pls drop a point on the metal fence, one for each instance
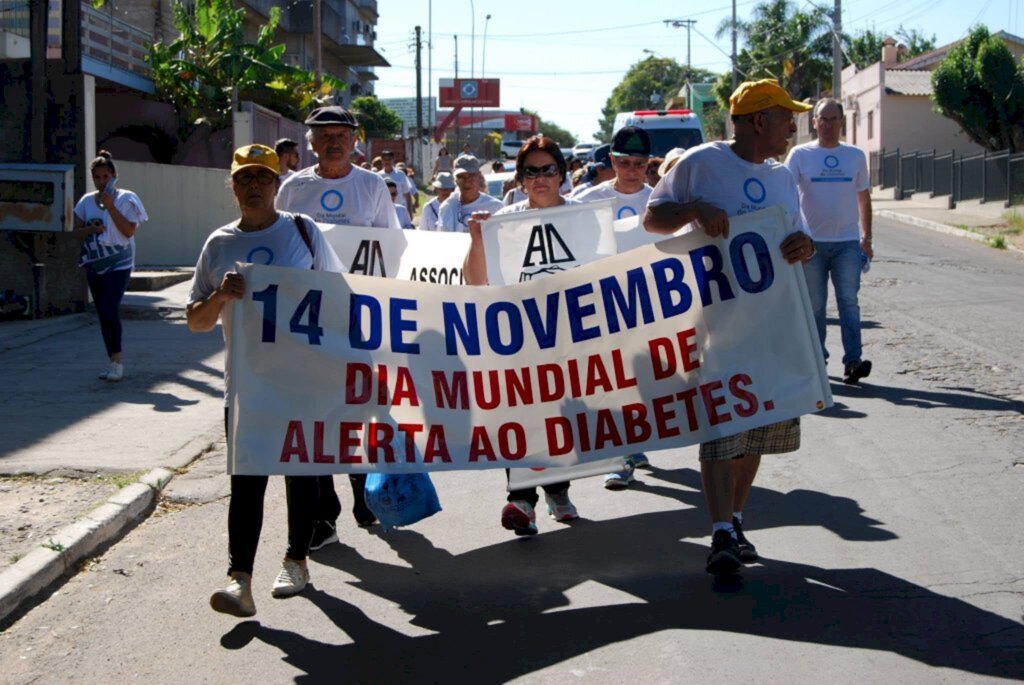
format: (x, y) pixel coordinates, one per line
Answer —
(985, 176)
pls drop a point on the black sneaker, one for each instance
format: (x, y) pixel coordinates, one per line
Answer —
(856, 370)
(724, 559)
(364, 517)
(324, 533)
(748, 553)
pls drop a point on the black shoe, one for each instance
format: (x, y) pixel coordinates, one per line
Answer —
(324, 533)
(724, 559)
(748, 553)
(857, 370)
(363, 516)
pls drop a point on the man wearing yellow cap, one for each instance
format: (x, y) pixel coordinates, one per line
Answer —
(710, 183)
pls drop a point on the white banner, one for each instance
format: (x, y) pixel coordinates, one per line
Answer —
(664, 346)
(428, 256)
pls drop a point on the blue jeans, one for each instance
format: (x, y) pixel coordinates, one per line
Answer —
(842, 259)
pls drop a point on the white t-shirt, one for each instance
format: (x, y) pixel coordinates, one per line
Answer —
(429, 216)
(359, 198)
(514, 195)
(454, 216)
(626, 204)
(583, 187)
(714, 174)
(404, 220)
(524, 206)
(401, 179)
(110, 250)
(829, 179)
(280, 244)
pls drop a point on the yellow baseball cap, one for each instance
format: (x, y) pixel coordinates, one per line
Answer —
(754, 96)
(249, 156)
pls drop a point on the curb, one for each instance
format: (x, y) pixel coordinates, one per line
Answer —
(938, 227)
(38, 569)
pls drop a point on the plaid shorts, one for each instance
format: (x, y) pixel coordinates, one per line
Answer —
(775, 438)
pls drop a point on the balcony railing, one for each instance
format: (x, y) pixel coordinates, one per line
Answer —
(114, 43)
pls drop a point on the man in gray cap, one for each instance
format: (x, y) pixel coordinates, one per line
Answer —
(456, 211)
(444, 185)
(333, 191)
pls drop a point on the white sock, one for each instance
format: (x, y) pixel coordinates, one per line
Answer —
(738, 515)
(722, 525)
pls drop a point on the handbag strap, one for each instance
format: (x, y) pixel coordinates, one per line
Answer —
(301, 225)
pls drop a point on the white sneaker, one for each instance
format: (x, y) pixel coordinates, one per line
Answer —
(560, 507)
(114, 373)
(235, 599)
(291, 580)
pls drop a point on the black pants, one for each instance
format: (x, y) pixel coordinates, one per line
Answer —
(530, 494)
(328, 505)
(107, 292)
(245, 516)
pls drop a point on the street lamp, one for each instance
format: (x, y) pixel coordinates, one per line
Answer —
(483, 62)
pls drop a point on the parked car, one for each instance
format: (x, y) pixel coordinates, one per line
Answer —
(495, 182)
(510, 148)
(584, 151)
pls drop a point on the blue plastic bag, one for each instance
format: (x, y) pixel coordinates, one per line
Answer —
(401, 499)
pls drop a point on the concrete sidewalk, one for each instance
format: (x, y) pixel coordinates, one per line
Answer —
(70, 440)
(971, 219)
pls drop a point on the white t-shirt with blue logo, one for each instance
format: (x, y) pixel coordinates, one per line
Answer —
(829, 179)
(714, 174)
(454, 215)
(110, 250)
(280, 244)
(359, 198)
(626, 204)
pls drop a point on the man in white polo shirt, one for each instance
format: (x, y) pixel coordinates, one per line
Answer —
(398, 175)
(456, 211)
(444, 186)
(710, 183)
(629, 154)
(835, 200)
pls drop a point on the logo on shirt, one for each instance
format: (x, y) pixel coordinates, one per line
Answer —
(831, 161)
(265, 251)
(332, 200)
(625, 211)
(754, 190)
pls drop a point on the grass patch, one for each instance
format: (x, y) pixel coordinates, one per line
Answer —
(15, 558)
(1014, 222)
(54, 545)
(964, 227)
(118, 480)
(998, 242)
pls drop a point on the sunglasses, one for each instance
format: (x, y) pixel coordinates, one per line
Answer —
(264, 178)
(627, 163)
(548, 170)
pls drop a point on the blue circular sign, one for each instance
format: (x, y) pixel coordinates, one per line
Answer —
(754, 190)
(331, 195)
(626, 211)
(468, 90)
(831, 161)
(251, 258)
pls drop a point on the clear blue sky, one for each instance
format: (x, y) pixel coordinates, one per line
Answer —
(563, 58)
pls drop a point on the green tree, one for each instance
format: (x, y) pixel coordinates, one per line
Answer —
(376, 119)
(980, 86)
(210, 67)
(552, 130)
(783, 41)
(865, 48)
(648, 84)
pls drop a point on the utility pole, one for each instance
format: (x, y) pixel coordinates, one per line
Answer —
(688, 23)
(418, 145)
(458, 129)
(318, 65)
(837, 51)
(38, 20)
(430, 63)
(734, 79)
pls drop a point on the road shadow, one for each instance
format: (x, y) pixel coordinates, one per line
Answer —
(47, 387)
(504, 611)
(946, 397)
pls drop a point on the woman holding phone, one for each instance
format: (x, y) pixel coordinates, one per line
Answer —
(108, 218)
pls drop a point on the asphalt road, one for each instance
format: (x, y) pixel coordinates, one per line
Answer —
(892, 543)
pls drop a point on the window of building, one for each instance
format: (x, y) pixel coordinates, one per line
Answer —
(871, 125)
(853, 127)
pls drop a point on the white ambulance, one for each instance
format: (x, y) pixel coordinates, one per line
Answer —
(668, 128)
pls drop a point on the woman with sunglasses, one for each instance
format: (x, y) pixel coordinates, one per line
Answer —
(261, 235)
(540, 172)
